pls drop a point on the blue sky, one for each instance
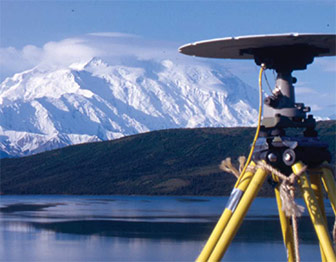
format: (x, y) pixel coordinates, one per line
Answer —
(27, 27)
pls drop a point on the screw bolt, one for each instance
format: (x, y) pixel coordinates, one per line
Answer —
(272, 157)
(287, 157)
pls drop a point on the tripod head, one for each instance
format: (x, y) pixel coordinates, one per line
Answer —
(284, 53)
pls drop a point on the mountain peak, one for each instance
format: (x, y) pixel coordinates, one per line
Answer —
(88, 64)
(94, 101)
(95, 61)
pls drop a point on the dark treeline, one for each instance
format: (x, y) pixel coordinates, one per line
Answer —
(167, 162)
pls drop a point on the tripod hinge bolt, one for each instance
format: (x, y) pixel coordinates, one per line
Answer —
(272, 157)
(299, 106)
(306, 109)
(289, 157)
(271, 101)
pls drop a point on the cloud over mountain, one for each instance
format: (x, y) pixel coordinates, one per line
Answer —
(113, 47)
(81, 92)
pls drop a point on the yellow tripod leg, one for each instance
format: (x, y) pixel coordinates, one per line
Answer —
(236, 194)
(238, 215)
(330, 187)
(315, 213)
(315, 180)
(286, 227)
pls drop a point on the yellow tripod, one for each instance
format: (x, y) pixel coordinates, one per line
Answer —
(250, 182)
(243, 195)
(283, 53)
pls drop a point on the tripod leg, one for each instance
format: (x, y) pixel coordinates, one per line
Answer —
(330, 186)
(286, 227)
(315, 180)
(315, 213)
(236, 194)
(238, 215)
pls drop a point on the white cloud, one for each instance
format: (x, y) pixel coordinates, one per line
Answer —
(68, 51)
(31, 53)
(111, 34)
(13, 60)
(113, 47)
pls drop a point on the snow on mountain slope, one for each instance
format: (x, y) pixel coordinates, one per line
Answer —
(46, 109)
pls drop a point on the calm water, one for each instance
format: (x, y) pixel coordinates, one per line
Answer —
(137, 228)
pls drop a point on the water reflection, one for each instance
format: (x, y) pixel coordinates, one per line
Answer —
(58, 228)
(255, 230)
(17, 207)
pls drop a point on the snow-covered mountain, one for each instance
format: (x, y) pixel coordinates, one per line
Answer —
(47, 109)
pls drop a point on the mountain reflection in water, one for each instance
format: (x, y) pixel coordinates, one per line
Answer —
(266, 229)
(168, 228)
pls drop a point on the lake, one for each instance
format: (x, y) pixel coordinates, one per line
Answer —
(138, 228)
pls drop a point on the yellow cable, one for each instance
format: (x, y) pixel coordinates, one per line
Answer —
(263, 67)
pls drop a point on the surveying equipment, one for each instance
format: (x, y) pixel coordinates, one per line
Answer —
(274, 152)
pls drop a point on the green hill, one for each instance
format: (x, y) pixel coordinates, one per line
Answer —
(167, 162)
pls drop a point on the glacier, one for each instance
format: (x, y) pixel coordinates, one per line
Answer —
(43, 109)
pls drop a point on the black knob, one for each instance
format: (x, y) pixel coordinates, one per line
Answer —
(271, 101)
